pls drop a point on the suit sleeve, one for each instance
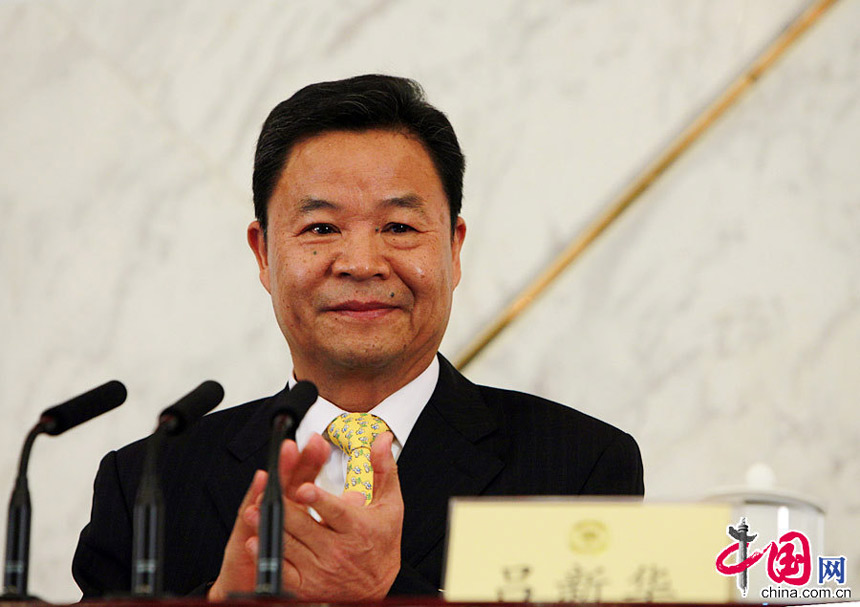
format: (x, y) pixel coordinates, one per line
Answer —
(411, 583)
(102, 561)
(618, 470)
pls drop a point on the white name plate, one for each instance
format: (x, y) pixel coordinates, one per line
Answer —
(583, 550)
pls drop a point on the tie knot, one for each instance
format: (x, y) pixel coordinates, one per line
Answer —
(351, 431)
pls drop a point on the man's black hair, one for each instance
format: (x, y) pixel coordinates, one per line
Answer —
(357, 104)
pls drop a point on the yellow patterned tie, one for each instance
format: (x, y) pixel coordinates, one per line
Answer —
(354, 433)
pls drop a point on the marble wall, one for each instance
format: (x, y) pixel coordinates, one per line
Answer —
(718, 321)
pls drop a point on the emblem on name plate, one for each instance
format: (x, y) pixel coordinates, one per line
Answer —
(589, 536)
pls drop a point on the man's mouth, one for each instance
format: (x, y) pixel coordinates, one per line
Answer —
(362, 309)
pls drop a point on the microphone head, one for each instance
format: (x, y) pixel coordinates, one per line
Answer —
(297, 401)
(80, 409)
(194, 405)
(303, 395)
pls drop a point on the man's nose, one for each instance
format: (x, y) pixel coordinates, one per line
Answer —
(362, 257)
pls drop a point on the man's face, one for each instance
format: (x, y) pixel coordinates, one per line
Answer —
(359, 258)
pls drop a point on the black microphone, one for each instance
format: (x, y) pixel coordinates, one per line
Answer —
(54, 421)
(83, 408)
(147, 566)
(191, 407)
(287, 415)
(292, 409)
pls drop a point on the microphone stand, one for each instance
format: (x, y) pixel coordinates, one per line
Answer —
(147, 565)
(53, 421)
(287, 415)
(148, 524)
(17, 560)
(271, 531)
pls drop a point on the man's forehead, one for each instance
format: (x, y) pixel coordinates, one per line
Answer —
(369, 171)
(349, 144)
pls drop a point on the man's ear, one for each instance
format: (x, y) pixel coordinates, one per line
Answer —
(456, 245)
(257, 242)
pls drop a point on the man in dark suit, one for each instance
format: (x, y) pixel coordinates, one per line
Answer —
(357, 193)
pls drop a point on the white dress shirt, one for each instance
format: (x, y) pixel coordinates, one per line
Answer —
(400, 411)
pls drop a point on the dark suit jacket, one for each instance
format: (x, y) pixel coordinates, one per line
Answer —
(482, 441)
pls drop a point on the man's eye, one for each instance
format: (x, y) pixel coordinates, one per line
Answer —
(321, 229)
(399, 228)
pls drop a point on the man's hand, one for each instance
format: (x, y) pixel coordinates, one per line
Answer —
(239, 567)
(354, 553)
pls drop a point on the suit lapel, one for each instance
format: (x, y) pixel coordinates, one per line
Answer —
(452, 450)
(243, 455)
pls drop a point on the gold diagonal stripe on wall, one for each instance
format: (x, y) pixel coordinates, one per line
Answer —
(666, 158)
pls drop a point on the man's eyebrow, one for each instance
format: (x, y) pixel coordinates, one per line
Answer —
(413, 202)
(309, 205)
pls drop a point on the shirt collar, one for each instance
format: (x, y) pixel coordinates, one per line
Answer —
(399, 411)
